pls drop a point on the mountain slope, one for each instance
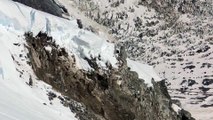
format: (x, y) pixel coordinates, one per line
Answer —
(173, 36)
(79, 64)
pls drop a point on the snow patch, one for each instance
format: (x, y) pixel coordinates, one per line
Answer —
(48, 48)
(176, 108)
(144, 71)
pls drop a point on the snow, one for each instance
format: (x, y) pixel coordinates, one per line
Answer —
(208, 101)
(176, 108)
(198, 112)
(144, 71)
(66, 32)
(18, 100)
(88, 45)
(48, 48)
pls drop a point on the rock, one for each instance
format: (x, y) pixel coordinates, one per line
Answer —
(163, 32)
(206, 106)
(80, 25)
(204, 89)
(207, 81)
(100, 97)
(48, 6)
(30, 81)
(189, 67)
(51, 95)
(191, 82)
(186, 115)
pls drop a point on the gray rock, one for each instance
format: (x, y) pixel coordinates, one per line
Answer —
(102, 98)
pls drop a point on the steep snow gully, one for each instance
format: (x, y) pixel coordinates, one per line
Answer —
(19, 100)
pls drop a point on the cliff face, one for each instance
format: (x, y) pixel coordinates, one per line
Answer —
(48, 6)
(111, 94)
(174, 36)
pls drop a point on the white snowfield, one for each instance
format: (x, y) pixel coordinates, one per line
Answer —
(144, 71)
(18, 101)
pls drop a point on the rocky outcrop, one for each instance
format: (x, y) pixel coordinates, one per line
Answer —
(49, 6)
(112, 94)
(167, 34)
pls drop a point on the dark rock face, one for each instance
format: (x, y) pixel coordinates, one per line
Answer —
(99, 90)
(204, 89)
(189, 82)
(207, 81)
(48, 6)
(80, 25)
(205, 106)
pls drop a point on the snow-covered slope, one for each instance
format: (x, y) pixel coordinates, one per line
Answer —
(19, 100)
(79, 42)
